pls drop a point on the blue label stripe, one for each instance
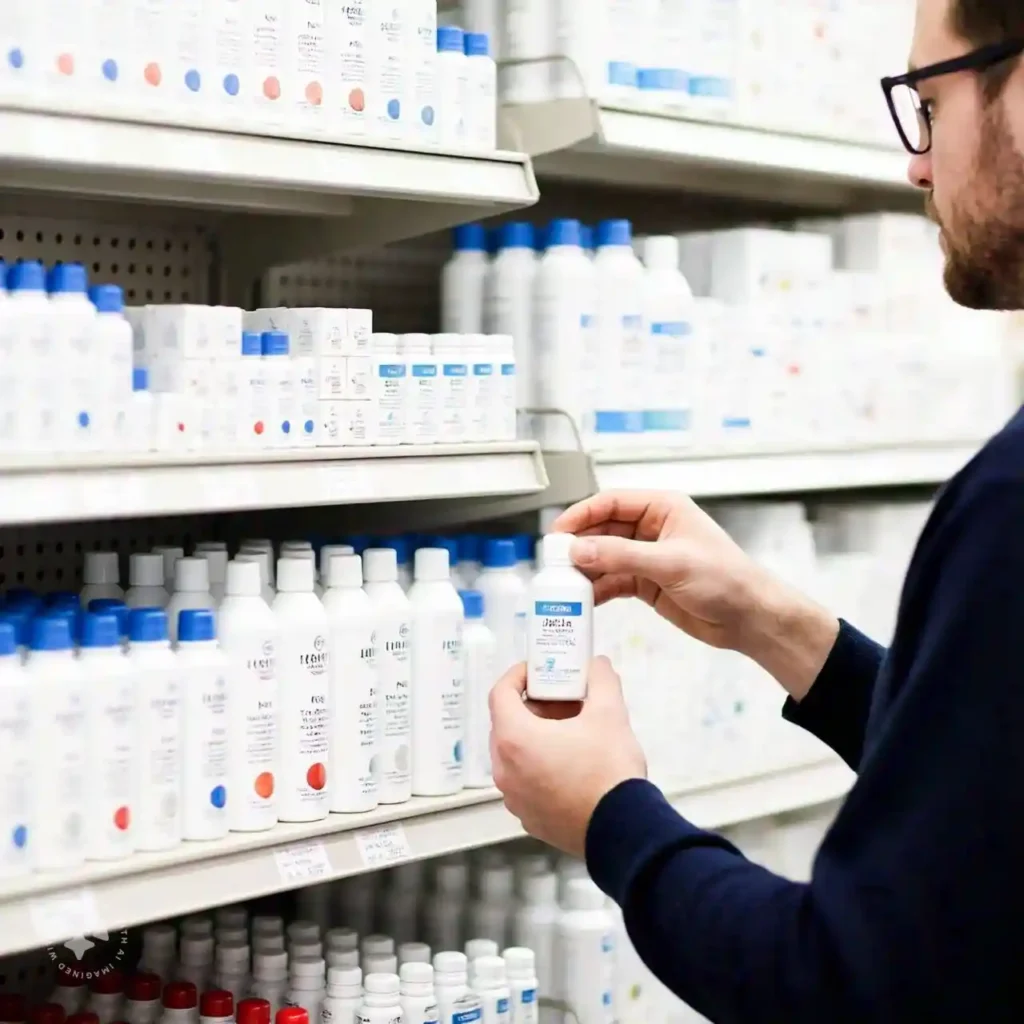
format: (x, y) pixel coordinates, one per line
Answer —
(666, 419)
(455, 369)
(483, 369)
(608, 422)
(391, 370)
(557, 608)
(672, 329)
(424, 370)
(508, 369)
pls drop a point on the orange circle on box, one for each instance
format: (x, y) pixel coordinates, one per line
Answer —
(272, 88)
(122, 819)
(315, 93)
(153, 74)
(66, 64)
(357, 100)
(316, 777)
(264, 785)
(258, 429)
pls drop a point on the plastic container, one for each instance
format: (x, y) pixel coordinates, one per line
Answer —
(455, 1001)
(403, 556)
(479, 650)
(146, 579)
(101, 576)
(265, 561)
(191, 591)
(270, 978)
(463, 280)
(416, 992)
(520, 965)
(491, 913)
(490, 982)
(381, 1003)
(216, 1007)
(535, 927)
(181, 1003)
(505, 599)
(253, 1011)
(390, 375)
(451, 353)
(15, 756)
(170, 555)
(452, 87)
(524, 543)
(71, 322)
(469, 548)
(217, 571)
(586, 944)
(481, 96)
(423, 392)
(344, 995)
(231, 960)
(106, 997)
(509, 301)
(413, 953)
(307, 984)
(142, 999)
(159, 951)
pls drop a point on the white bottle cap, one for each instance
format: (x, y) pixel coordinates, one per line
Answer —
(497, 885)
(661, 252)
(450, 963)
(489, 972)
(100, 568)
(375, 944)
(520, 962)
(417, 972)
(159, 938)
(243, 579)
(381, 984)
(538, 889)
(477, 948)
(329, 551)
(197, 925)
(583, 894)
(294, 576)
(191, 575)
(227, 917)
(267, 924)
(263, 559)
(343, 938)
(257, 544)
(342, 958)
(557, 548)
(380, 963)
(344, 977)
(229, 936)
(268, 942)
(170, 556)
(233, 956)
(212, 545)
(196, 949)
(303, 931)
(306, 949)
(146, 570)
(414, 953)
(307, 967)
(270, 966)
(216, 565)
(380, 565)
(345, 571)
(431, 565)
(296, 545)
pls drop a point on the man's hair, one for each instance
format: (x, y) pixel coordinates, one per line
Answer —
(983, 22)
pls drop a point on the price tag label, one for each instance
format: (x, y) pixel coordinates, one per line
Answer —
(303, 863)
(65, 916)
(385, 845)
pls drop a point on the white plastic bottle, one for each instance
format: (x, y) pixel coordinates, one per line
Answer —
(423, 394)
(450, 351)
(265, 561)
(270, 978)
(216, 570)
(509, 301)
(146, 582)
(585, 954)
(388, 67)
(438, 687)
(111, 335)
(535, 927)
(15, 756)
(249, 638)
(422, 40)
(462, 282)
(479, 650)
(561, 625)
(380, 1000)
(101, 577)
(196, 960)
(390, 375)
(191, 591)
(304, 685)
(206, 721)
(307, 983)
(394, 673)
(159, 748)
(504, 603)
(418, 1002)
(29, 309)
(491, 984)
(71, 319)
(111, 722)
(232, 963)
(525, 556)
(477, 948)
(522, 984)
(59, 755)
(444, 909)
(344, 995)
(142, 998)
(355, 729)
(414, 953)
(456, 1003)
(529, 36)
(170, 556)
(180, 1003)
(481, 104)
(491, 914)
(469, 547)
(452, 87)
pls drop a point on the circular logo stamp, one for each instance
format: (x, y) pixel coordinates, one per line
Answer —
(87, 957)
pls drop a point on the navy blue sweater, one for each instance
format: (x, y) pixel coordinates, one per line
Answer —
(915, 910)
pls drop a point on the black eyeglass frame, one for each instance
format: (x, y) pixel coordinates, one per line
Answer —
(982, 59)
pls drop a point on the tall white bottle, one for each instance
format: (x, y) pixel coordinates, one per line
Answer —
(394, 673)
(535, 927)
(191, 591)
(585, 954)
(508, 301)
(158, 752)
(462, 282)
(479, 651)
(170, 555)
(355, 729)
(205, 712)
(101, 577)
(504, 603)
(15, 756)
(304, 681)
(520, 965)
(146, 582)
(265, 561)
(58, 746)
(438, 685)
(111, 724)
(249, 639)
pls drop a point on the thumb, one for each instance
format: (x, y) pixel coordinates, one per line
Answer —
(604, 687)
(506, 697)
(615, 556)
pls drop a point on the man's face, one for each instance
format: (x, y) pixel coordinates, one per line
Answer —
(975, 171)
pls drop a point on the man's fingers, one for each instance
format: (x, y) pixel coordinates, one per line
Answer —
(506, 697)
(608, 588)
(604, 687)
(609, 507)
(616, 556)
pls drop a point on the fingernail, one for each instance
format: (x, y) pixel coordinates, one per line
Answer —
(584, 551)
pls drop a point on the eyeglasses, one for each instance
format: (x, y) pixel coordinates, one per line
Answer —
(912, 115)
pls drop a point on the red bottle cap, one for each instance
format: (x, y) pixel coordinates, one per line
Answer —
(217, 1003)
(109, 984)
(12, 1008)
(142, 988)
(180, 995)
(253, 1011)
(291, 1015)
(82, 1018)
(47, 1013)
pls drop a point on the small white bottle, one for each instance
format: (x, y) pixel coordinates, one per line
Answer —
(270, 978)
(413, 953)
(216, 570)
(248, 637)
(281, 399)
(422, 38)
(307, 984)
(522, 984)
(462, 282)
(344, 995)
(561, 625)
(146, 582)
(196, 960)
(304, 683)
(191, 591)
(394, 668)
(444, 909)
(381, 963)
(355, 728)
(69, 993)
(423, 392)
(453, 373)
(180, 1003)
(479, 649)
(535, 927)
(216, 1007)
(170, 555)
(106, 997)
(142, 997)
(481, 103)
(111, 722)
(390, 390)
(469, 546)
(502, 425)
(477, 948)
(529, 36)
(585, 954)
(485, 418)
(490, 982)
(265, 561)
(419, 1004)
(438, 687)
(505, 599)
(455, 1002)
(388, 67)
(15, 756)
(452, 86)
(101, 577)
(59, 755)
(381, 1003)
(159, 747)
(376, 945)
(232, 963)
(206, 722)
(491, 914)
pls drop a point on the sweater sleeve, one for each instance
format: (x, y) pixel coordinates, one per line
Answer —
(914, 907)
(836, 709)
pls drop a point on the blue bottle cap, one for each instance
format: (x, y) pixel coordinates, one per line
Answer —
(400, 545)
(563, 232)
(614, 232)
(274, 343)
(27, 276)
(112, 606)
(21, 620)
(107, 298)
(516, 235)
(140, 379)
(469, 545)
(449, 39)
(8, 638)
(525, 545)
(472, 603)
(492, 240)
(586, 237)
(449, 544)
(100, 630)
(51, 633)
(252, 344)
(196, 625)
(499, 554)
(67, 278)
(470, 238)
(147, 625)
(476, 44)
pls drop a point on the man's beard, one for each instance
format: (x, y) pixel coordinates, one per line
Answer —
(985, 245)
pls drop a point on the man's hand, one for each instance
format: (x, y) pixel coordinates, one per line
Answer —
(553, 762)
(662, 548)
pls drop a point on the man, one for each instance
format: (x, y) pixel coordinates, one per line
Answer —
(915, 911)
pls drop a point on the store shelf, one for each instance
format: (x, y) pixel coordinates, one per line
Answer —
(782, 473)
(578, 140)
(98, 487)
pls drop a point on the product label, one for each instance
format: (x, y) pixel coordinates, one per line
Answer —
(467, 1010)
(424, 370)
(508, 369)
(58, 763)
(455, 369)
(254, 738)
(438, 702)
(559, 644)
(303, 863)
(159, 808)
(503, 1010)
(390, 394)
(112, 732)
(381, 846)
(394, 682)
(356, 718)
(15, 773)
(305, 720)
(524, 1007)
(392, 371)
(370, 1017)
